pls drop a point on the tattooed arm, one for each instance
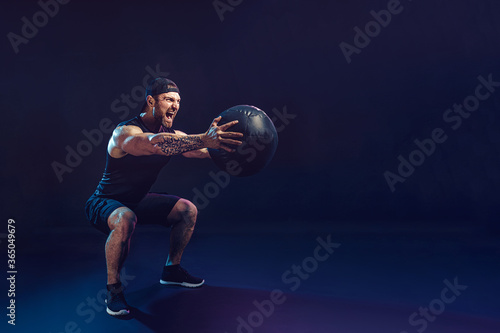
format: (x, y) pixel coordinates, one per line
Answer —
(193, 145)
(174, 144)
(197, 153)
(131, 140)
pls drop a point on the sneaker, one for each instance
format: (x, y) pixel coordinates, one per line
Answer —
(116, 303)
(176, 275)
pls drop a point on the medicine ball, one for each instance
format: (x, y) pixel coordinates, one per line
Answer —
(260, 141)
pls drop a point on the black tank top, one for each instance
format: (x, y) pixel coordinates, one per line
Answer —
(129, 178)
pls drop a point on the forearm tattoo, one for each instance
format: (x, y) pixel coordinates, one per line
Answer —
(177, 145)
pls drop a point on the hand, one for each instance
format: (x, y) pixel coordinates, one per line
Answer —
(217, 137)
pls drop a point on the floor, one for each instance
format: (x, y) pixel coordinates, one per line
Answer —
(348, 281)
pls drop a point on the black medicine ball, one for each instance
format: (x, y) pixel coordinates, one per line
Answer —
(260, 141)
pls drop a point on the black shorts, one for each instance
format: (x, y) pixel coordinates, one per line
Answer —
(153, 209)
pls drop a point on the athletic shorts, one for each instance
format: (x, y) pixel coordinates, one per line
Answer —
(153, 209)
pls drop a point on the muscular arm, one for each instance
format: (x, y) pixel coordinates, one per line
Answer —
(198, 153)
(173, 144)
(131, 140)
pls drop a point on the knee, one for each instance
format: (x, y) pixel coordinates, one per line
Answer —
(187, 210)
(123, 222)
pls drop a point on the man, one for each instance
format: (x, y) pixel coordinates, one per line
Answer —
(138, 149)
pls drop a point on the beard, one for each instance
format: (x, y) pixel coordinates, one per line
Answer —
(166, 119)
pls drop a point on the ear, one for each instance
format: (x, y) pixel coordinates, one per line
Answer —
(151, 101)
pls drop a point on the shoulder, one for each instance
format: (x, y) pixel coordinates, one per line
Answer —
(126, 130)
(131, 126)
(179, 132)
(120, 135)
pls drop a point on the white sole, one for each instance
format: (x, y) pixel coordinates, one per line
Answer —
(119, 313)
(183, 284)
(123, 312)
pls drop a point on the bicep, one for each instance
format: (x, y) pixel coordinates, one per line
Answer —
(131, 140)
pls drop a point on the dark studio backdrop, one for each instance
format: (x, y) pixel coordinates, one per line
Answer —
(343, 125)
(354, 109)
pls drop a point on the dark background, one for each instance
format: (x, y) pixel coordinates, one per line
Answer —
(352, 120)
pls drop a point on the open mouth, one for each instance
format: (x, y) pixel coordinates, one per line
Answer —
(170, 115)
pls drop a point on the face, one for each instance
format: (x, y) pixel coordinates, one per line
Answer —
(166, 106)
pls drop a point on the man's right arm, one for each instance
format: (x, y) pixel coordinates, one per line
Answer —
(131, 140)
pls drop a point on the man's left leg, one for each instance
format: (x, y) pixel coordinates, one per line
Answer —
(179, 214)
(182, 218)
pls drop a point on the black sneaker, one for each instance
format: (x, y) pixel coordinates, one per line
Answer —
(176, 275)
(116, 303)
